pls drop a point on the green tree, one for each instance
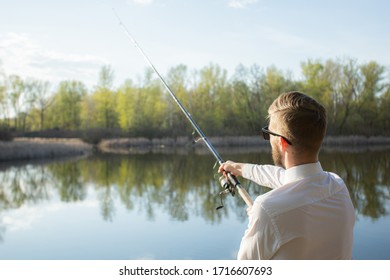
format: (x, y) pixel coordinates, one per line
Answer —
(346, 94)
(248, 99)
(368, 99)
(150, 107)
(356, 97)
(88, 112)
(176, 123)
(208, 103)
(320, 82)
(65, 112)
(3, 98)
(384, 110)
(126, 108)
(274, 83)
(104, 98)
(16, 89)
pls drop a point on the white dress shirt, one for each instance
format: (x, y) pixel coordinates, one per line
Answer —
(308, 215)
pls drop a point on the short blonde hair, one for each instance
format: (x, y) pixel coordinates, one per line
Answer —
(301, 119)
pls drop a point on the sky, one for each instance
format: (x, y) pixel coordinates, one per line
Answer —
(57, 40)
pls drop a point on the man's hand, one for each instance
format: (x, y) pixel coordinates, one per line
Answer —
(234, 168)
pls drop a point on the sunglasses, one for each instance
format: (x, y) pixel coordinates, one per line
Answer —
(267, 133)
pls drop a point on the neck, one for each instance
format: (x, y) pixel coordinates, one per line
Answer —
(291, 161)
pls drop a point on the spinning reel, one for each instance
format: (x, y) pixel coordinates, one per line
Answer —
(227, 187)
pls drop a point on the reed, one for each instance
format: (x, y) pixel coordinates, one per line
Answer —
(132, 144)
(143, 145)
(39, 148)
(356, 140)
(49, 148)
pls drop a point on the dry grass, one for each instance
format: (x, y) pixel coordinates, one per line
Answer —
(142, 145)
(141, 142)
(43, 148)
(225, 141)
(39, 148)
(136, 145)
(356, 140)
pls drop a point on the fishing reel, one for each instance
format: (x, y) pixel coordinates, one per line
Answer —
(227, 187)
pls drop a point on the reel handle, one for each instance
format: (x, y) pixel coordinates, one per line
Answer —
(230, 183)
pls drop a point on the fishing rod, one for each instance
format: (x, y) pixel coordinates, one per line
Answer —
(229, 183)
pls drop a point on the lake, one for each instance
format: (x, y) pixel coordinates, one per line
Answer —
(162, 205)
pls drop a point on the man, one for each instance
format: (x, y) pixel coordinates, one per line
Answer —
(309, 213)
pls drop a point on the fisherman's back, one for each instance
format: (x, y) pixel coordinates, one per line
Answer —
(308, 218)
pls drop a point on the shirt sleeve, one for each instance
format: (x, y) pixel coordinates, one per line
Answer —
(260, 240)
(265, 175)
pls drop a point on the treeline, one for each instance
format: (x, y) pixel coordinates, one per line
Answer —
(356, 96)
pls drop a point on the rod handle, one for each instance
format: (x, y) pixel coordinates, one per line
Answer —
(245, 196)
(241, 191)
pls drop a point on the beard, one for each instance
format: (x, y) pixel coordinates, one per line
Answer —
(277, 157)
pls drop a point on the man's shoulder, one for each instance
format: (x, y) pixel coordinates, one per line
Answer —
(300, 193)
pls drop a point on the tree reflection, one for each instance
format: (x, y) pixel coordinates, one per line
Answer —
(68, 181)
(181, 185)
(365, 175)
(20, 186)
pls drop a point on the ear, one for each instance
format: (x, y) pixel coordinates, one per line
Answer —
(283, 143)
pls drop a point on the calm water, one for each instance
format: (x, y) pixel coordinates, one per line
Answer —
(161, 206)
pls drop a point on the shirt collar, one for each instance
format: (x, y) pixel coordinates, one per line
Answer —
(301, 171)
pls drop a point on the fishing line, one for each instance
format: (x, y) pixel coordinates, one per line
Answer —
(230, 183)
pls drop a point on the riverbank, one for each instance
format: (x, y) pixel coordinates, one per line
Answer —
(133, 144)
(40, 148)
(50, 148)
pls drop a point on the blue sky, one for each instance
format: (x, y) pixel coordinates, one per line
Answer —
(58, 40)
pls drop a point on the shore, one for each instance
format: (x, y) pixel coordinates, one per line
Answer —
(42, 148)
(232, 142)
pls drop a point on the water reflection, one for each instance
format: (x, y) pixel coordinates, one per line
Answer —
(366, 175)
(180, 185)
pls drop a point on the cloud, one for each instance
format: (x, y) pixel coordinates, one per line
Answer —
(239, 4)
(22, 220)
(141, 2)
(23, 56)
(27, 216)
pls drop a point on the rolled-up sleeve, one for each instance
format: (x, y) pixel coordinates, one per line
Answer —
(265, 175)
